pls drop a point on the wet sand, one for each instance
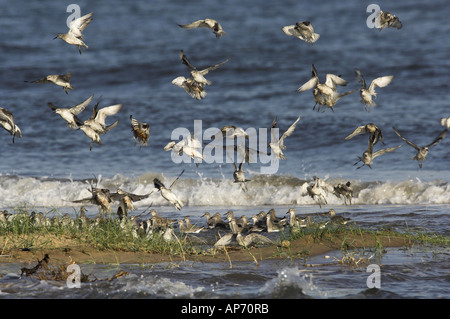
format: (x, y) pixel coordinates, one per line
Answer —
(67, 250)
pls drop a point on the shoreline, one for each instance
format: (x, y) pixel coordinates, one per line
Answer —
(63, 252)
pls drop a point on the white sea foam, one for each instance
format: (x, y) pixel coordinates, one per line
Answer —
(223, 192)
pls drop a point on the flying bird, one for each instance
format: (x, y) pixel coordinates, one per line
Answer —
(369, 155)
(92, 134)
(167, 193)
(445, 121)
(199, 75)
(232, 131)
(99, 196)
(344, 190)
(366, 93)
(97, 120)
(239, 175)
(388, 20)
(70, 114)
(194, 89)
(316, 190)
(141, 131)
(325, 94)
(7, 122)
(206, 23)
(302, 30)
(422, 151)
(189, 145)
(277, 145)
(74, 35)
(370, 128)
(62, 80)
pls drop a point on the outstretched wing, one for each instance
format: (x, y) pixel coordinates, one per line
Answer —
(357, 131)
(407, 142)
(186, 61)
(107, 111)
(439, 138)
(77, 109)
(360, 78)
(381, 82)
(195, 24)
(78, 25)
(205, 71)
(289, 30)
(333, 80)
(384, 151)
(308, 85)
(66, 77)
(289, 131)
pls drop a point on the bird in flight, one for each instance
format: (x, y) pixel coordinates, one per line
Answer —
(62, 80)
(325, 94)
(206, 23)
(366, 93)
(74, 35)
(422, 151)
(302, 30)
(7, 122)
(277, 145)
(70, 114)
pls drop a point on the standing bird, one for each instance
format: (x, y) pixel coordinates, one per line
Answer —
(277, 145)
(225, 240)
(337, 219)
(62, 80)
(367, 93)
(70, 114)
(302, 30)
(206, 23)
(7, 122)
(422, 151)
(214, 220)
(325, 94)
(370, 128)
(252, 239)
(74, 36)
(167, 193)
(296, 221)
(141, 131)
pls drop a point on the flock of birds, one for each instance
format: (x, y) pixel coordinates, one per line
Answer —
(218, 232)
(325, 95)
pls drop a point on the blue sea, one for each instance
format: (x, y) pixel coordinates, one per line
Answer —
(132, 58)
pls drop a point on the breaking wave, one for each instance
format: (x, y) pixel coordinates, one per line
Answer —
(262, 190)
